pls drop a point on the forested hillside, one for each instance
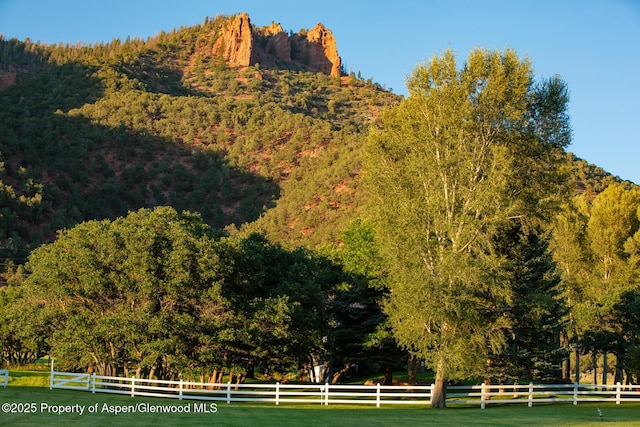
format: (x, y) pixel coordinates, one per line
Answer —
(92, 132)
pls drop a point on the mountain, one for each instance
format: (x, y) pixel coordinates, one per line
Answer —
(238, 123)
(253, 128)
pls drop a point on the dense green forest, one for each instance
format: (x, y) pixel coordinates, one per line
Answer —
(267, 164)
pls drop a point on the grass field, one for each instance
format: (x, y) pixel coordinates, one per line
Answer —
(20, 398)
(28, 390)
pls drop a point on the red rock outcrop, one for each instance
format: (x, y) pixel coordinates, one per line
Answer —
(240, 44)
(278, 43)
(322, 50)
(235, 44)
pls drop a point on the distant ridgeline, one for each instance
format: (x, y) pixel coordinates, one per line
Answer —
(236, 41)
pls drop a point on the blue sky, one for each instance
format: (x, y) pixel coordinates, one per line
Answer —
(593, 44)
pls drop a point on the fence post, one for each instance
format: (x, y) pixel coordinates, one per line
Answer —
(575, 393)
(133, 386)
(326, 396)
(278, 393)
(51, 376)
(229, 393)
(618, 392)
(530, 395)
(482, 391)
(377, 395)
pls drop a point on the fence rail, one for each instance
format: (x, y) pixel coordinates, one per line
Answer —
(277, 393)
(325, 394)
(4, 377)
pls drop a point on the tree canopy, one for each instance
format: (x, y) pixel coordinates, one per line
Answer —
(595, 243)
(156, 293)
(470, 151)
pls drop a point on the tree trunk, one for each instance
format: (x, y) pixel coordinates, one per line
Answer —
(487, 377)
(439, 390)
(619, 377)
(312, 377)
(413, 364)
(577, 364)
(338, 375)
(594, 360)
(213, 377)
(605, 368)
(566, 364)
(251, 371)
(566, 368)
(388, 375)
(237, 379)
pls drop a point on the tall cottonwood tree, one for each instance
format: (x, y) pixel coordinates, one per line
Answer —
(469, 152)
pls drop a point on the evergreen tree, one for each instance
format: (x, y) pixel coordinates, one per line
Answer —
(537, 312)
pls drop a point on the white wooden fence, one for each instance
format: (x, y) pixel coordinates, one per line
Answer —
(274, 393)
(324, 394)
(4, 377)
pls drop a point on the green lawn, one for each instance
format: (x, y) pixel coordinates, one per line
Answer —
(242, 414)
(29, 378)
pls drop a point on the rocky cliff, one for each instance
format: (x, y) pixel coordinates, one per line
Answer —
(236, 45)
(317, 49)
(242, 44)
